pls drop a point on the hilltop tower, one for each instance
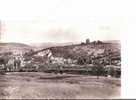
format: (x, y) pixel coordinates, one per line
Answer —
(87, 41)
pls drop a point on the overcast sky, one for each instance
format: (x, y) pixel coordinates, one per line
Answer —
(61, 20)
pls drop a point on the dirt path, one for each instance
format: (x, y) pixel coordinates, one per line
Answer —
(34, 85)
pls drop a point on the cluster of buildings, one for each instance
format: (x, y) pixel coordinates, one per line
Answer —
(49, 58)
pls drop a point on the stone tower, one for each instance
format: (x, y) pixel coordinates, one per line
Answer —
(87, 41)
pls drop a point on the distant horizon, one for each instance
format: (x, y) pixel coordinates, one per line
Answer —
(58, 42)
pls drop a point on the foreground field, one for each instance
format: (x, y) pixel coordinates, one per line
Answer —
(34, 85)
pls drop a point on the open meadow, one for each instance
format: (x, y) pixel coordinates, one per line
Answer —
(36, 85)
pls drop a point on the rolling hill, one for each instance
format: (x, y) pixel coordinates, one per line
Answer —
(49, 44)
(5, 47)
(13, 44)
(75, 51)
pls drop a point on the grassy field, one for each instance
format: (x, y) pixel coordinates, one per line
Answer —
(37, 85)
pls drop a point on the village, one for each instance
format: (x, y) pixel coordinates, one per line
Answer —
(47, 60)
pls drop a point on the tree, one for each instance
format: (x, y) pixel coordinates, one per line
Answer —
(98, 66)
(82, 60)
(82, 43)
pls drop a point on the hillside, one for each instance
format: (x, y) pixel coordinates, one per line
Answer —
(79, 50)
(108, 53)
(48, 45)
(12, 44)
(5, 47)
